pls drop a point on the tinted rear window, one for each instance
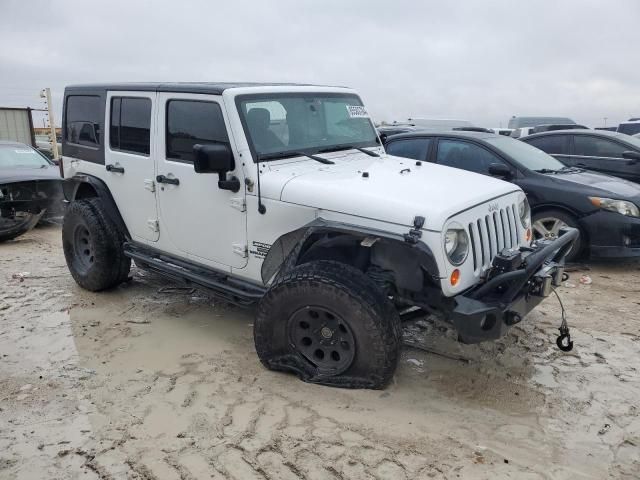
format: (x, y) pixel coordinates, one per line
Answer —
(553, 144)
(83, 120)
(415, 148)
(130, 124)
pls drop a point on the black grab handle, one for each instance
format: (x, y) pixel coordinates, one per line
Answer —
(163, 179)
(114, 169)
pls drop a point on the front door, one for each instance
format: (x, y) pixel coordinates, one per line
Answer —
(129, 160)
(198, 220)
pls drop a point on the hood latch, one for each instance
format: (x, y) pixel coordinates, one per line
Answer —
(415, 233)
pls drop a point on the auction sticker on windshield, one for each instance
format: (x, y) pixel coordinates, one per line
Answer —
(357, 111)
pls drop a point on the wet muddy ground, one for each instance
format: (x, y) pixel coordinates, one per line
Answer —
(151, 382)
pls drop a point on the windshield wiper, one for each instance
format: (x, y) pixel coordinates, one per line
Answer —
(275, 156)
(339, 148)
(546, 170)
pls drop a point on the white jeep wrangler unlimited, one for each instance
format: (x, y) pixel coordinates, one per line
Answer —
(282, 196)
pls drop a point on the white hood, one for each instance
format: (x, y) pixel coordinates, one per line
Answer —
(396, 189)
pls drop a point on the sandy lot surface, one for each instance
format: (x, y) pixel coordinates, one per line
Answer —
(151, 382)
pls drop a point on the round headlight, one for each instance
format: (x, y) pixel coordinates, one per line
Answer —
(524, 211)
(456, 245)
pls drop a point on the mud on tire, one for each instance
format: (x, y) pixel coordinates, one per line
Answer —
(93, 246)
(329, 324)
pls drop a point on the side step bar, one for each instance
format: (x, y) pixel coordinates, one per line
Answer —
(230, 289)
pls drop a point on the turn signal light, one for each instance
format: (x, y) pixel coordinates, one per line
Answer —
(455, 277)
(527, 235)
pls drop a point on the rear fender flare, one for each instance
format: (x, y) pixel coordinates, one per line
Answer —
(71, 186)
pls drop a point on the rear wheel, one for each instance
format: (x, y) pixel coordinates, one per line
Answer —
(330, 324)
(546, 225)
(92, 246)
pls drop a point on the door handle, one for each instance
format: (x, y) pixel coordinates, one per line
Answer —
(171, 181)
(114, 169)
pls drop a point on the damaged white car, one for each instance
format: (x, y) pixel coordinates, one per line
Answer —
(282, 196)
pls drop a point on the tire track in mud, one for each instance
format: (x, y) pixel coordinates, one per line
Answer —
(236, 433)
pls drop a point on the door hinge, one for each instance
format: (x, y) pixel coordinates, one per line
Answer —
(238, 203)
(241, 249)
(153, 225)
(150, 185)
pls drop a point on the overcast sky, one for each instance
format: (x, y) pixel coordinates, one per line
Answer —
(482, 61)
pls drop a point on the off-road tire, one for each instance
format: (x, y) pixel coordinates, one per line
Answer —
(356, 300)
(578, 247)
(30, 221)
(107, 265)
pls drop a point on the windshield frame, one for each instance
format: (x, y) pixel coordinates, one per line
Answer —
(498, 141)
(290, 153)
(47, 162)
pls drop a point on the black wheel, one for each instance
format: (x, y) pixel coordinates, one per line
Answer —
(92, 246)
(330, 324)
(547, 224)
(15, 224)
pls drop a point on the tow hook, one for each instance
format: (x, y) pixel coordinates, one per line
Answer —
(563, 341)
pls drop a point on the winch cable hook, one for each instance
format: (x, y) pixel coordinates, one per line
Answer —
(563, 341)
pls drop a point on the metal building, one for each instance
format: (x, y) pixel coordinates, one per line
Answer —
(17, 124)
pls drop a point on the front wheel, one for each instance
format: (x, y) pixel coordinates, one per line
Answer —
(330, 324)
(17, 223)
(546, 225)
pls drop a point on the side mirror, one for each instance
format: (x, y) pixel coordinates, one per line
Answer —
(212, 158)
(500, 170)
(216, 158)
(631, 155)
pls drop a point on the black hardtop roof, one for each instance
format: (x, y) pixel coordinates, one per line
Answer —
(215, 88)
(447, 133)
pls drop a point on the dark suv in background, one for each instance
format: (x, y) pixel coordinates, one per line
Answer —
(598, 150)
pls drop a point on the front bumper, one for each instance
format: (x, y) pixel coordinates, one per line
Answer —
(612, 235)
(489, 310)
(32, 196)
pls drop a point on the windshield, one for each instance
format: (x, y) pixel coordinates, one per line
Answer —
(526, 155)
(20, 156)
(277, 124)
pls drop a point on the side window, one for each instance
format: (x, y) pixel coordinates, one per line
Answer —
(465, 155)
(83, 120)
(130, 124)
(589, 146)
(551, 144)
(190, 122)
(415, 148)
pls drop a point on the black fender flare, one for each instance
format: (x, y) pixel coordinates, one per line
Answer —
(70, 187)
(285, 252)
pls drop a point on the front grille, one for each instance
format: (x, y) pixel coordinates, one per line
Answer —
(491, 234)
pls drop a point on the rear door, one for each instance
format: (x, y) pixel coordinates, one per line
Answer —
(198, 220)
(129, 160)
(602, 155)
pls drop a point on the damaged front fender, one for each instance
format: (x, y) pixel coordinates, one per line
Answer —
(410, 261)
